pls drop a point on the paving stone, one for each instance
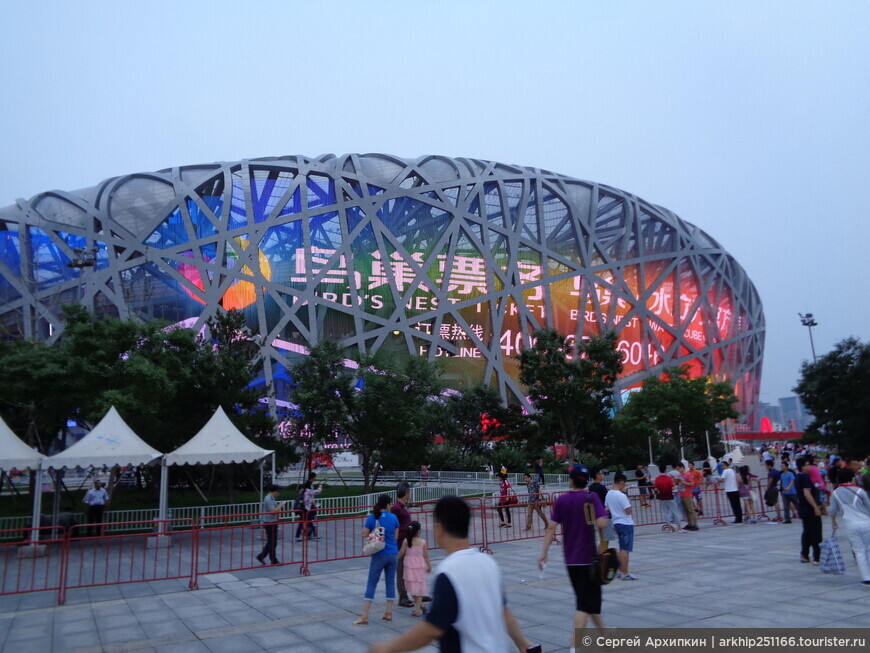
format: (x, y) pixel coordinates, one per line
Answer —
(117, 635)
(222, 577)
(165, 628)
(75, 640)
(86, 624)
(231, 644)
(192, 646)
(275, 638)
(316, 632)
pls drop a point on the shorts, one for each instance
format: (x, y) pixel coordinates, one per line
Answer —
(625, 533)
(587, 591)
(696, 493)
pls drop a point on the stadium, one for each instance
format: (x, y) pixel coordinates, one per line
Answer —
(449, 258)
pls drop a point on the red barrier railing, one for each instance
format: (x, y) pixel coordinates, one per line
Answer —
(233, 542)
(112, 559)
(34, 563)
(185, 548)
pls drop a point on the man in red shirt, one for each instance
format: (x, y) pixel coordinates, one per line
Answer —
(664, 489)
(687, 485)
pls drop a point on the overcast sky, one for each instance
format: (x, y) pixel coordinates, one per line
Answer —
(746, 118)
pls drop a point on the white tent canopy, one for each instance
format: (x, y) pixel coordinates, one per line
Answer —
(16, 454)
(219, 441)
(109, 443)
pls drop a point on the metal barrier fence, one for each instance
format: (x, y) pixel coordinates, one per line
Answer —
(54, 559)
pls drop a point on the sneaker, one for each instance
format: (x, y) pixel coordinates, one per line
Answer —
(618, 575)
(629, 577)
(298, 539)
(816, 563)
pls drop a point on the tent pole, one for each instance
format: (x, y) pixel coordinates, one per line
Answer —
(37, 503)
(274, 478)
(262, 461)
(164, 495)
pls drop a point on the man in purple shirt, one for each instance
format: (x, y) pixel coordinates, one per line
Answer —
(578, 539)
(400, 510)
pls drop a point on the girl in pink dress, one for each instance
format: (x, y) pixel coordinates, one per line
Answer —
(415, 557)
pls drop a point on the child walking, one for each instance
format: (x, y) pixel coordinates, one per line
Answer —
(415, 558)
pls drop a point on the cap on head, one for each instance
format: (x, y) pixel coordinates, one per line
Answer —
(579, 471)
(275, 488)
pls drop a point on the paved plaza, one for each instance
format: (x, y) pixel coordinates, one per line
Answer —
(732, 576)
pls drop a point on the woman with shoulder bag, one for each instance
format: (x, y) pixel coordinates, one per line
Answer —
(383, 560)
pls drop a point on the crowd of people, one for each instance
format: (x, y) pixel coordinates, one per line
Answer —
(468, 608)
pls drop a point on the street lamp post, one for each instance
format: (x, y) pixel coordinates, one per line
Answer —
(808, 321)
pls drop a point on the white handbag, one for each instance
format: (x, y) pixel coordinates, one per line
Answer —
(374, 540)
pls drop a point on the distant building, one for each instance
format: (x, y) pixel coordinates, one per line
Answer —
(793, 411)
(771, 412)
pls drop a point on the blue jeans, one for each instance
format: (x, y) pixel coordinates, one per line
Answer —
(387, 563)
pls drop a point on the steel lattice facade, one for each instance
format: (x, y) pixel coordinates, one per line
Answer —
(459, 259)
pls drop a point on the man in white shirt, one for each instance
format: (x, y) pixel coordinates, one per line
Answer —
(729, 478)
(95, 499)
(620, 512)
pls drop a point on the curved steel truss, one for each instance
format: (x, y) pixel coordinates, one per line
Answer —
(459, 259)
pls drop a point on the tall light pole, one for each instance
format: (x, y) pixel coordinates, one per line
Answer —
(808, 321)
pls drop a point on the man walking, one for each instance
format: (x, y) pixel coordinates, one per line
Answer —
(95, 499)
(688, 480)
(620, 511)
(809, 508)
(400, 510)
(469, 611)
(729, 478)
(270, 509)
(578, 539)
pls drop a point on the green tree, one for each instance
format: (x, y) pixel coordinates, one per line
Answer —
(571, 386)
(165, 383)
(392, 413)
(834, 390)
(322, 392)
(35, 389)
(676, 411)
